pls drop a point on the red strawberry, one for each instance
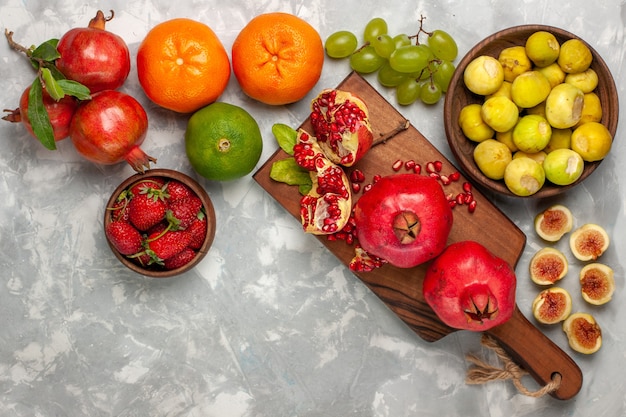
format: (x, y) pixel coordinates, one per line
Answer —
(180, 259)
(198, 231)
(177, 190)
(181, 213)
(119, 211)
(146, 210)
(146, 185)
(124, 237)
(164, 245)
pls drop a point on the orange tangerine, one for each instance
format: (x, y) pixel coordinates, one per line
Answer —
(277, 58)
(182, 65)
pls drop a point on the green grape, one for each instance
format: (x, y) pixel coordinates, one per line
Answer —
(409, 59)
(383, 44)
(376, 26)
(408, 92)
(430, 92)
(401, 40)
(443, 45)
(341, 44)
(366, 60)
(389, 77)
(442, 74)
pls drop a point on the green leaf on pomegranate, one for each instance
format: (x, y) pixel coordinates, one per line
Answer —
(74, 88)
(286, 136)
(288, 171)
(38, 116)
(52, 86)
(47, 51)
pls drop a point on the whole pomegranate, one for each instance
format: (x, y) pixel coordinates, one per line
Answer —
(109, 129)
(59, 112)
(470, 288)
(93, 56)
(341, 124)
(404, 219)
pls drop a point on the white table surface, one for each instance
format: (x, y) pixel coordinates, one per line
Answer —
(270, 323)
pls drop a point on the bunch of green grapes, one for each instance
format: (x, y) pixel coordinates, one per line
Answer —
(416, 70)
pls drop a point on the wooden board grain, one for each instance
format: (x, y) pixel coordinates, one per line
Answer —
(401, 289)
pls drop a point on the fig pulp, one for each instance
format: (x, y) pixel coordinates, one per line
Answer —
(404, 219)
(470, 288)
(554, 222)
(583, 333)
(589, 242)
(597, 283)
(552, 305)
(547, 266)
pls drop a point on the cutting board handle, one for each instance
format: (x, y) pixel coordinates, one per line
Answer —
(538, 355)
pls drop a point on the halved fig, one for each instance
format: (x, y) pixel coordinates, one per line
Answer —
(589, 242)
(341, 124)
(552, 305)
(548, 266)
(583, 333)
(554, 222)
(597, 283)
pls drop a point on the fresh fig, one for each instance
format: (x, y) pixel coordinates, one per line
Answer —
(404, 219)
(597, 283)
(589, 242)
(548, 266)
(552, 305)
(552, 223)
(583, 333)
(468, 287)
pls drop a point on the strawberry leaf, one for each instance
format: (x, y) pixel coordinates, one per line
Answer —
(38, 116)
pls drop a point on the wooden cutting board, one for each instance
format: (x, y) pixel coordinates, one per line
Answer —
(401, 289)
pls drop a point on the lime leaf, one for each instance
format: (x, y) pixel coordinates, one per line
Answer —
(286, 136)
(38, 116)
(52, 86)
(288, 171)
(74, 88)
(47, 51)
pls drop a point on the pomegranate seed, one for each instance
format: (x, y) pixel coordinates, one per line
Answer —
(349, 239)
(356, 187)
(430, 167)
(397, 165)
(445, 180)
(376, 178)
(467, 187)
(438, 165)
(357, 176)
(409, 165)
(417, 169)
(452, 203)
(460, 198)
(434, 175)
(468, 198)
(367, 188)
(455, 176)
(449, 196)
(472, 206)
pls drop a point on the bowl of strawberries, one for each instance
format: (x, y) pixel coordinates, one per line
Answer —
(160, 223)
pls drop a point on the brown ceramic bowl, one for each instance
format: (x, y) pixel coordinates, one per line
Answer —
(156, 271)
(458, 96)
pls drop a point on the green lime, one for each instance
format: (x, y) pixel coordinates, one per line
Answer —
(223, 142)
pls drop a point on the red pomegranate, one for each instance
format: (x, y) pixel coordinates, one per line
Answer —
(109, 129)
(404, 219)
(93, 56)
(59, 112)
(470, 288)
(341, 124)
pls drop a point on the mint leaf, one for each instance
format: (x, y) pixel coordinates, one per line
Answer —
(74, 88)
(288, 171)
(286, 136)
(38, 116)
